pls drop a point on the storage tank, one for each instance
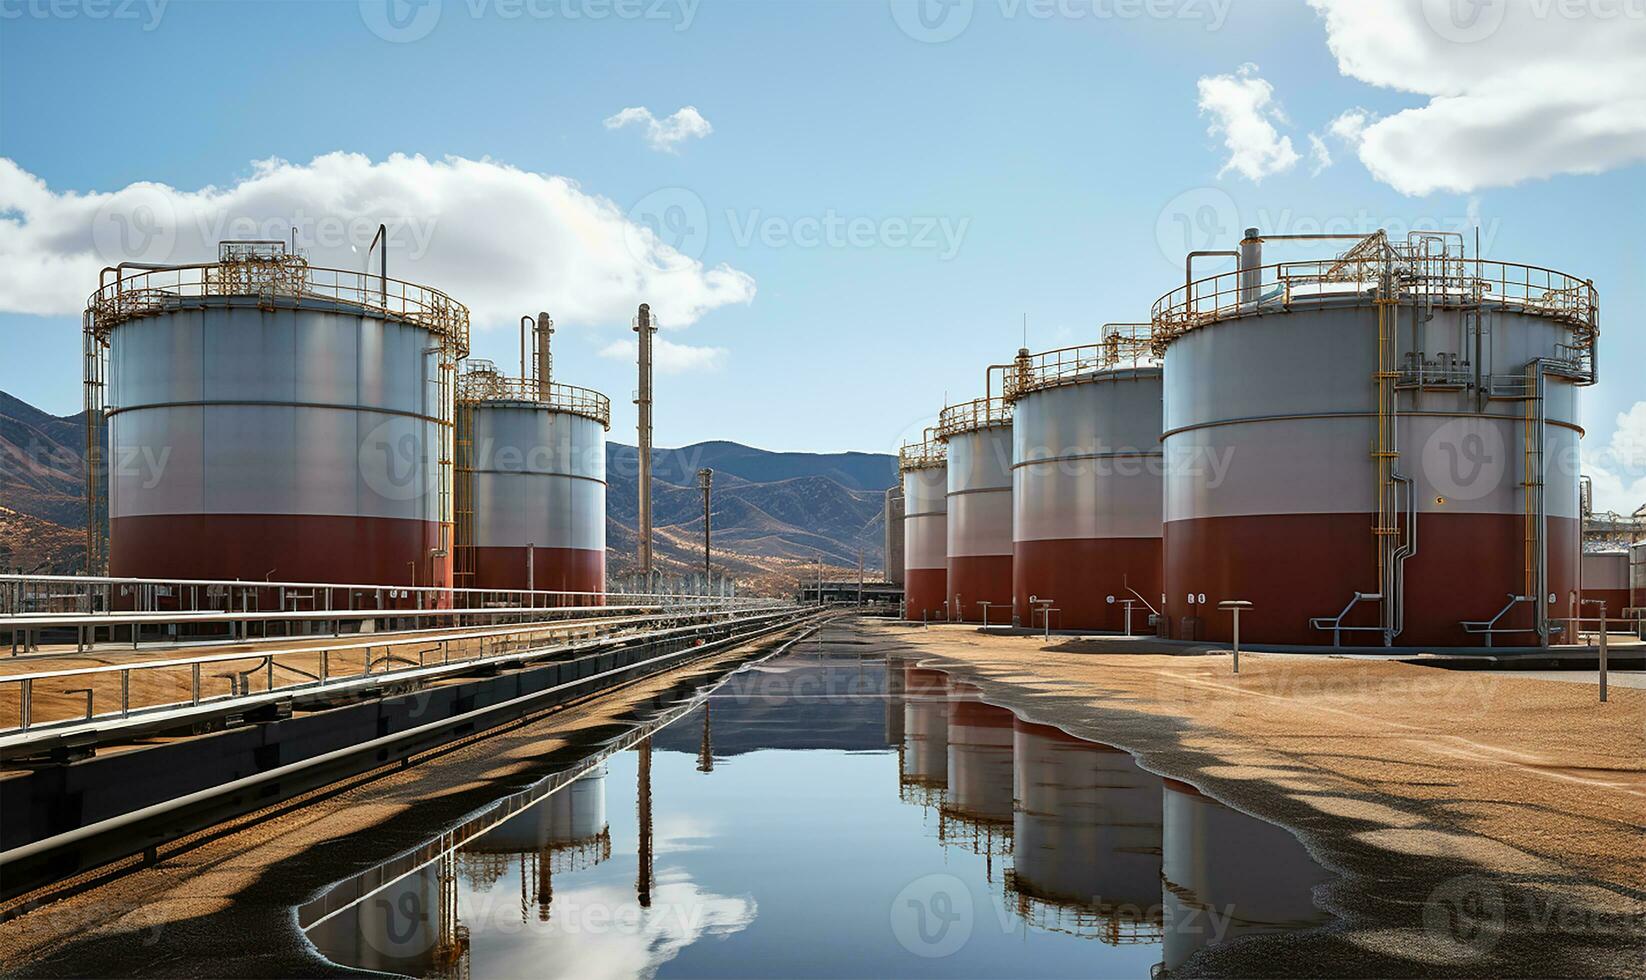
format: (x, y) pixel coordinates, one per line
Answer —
(565, 820)
(1256, 876)
(978, 434)
(1086, 483)
(893, 550)
(1605, 578)
(1637, 579)
(270, 420)
(1086, 837)
(1379, 447)
(924, 469)
(531, 481)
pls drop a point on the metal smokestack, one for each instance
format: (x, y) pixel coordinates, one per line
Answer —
(545, 360)
(643, 400)
(1251, 266)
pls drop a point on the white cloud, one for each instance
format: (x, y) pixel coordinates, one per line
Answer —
(504, 241)
(670, 357)
(1618, 469)
(1245, 114)
(1350, 126)
(1320, 156)
(664, 134)
(1518, 90)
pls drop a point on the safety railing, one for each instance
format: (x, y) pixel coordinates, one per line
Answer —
(979, 413)
(146, 292)
(485, 386)
(1442, 282)
(922, 455)
(1124, 345)
(148, 687)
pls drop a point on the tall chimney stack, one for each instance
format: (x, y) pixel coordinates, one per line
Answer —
(643, 398)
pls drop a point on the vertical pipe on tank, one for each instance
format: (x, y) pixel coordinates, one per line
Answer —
(1251, 267)
(545, 360)
(643, 399)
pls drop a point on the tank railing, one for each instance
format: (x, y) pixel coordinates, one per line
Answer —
(922, 455)
(1334, 624)
(485, 386)
(1441, 281)
(979, 413)
(1489, 627)
(314, 667)
(1123, 346)
(149, 291)
(22, 595)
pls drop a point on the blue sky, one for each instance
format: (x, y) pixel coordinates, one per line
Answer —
(1051, 155)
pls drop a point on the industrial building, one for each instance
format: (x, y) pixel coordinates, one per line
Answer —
(1373, 446)
(531, 476)
(270, 420)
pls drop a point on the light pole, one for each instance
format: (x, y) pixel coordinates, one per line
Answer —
(705, 482)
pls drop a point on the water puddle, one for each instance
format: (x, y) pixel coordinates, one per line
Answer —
(829, 814)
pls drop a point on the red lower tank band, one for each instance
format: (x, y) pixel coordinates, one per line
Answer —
(923, 592)
(278, 548)
(981, 578)
(1079, 575)
(553, 569)
(1297, 566)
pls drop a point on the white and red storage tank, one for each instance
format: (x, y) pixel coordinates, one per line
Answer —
(924, 470)
(979, 438)
(271, 421)
(1398, 421)
(533, 469)
(1086, 485)
(1605, 578)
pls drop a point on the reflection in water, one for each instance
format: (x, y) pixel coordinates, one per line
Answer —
(764, 842)
(1229, 875)
(1086, 841)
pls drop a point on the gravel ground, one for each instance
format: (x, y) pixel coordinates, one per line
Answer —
(1482, 824)
(223, 903)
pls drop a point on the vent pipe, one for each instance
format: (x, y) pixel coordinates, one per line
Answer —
(643, 400)
(545, 360)
(1251, 266)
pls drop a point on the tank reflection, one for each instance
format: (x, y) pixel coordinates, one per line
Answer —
(978, 805)
(1086, 837)
(408, 925)
(1227, 875)
(565, 832)
(923, 766)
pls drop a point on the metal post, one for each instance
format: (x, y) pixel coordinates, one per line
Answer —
(1603, 653)
(125, 693)
(705, 482)
(1235, 606)
(643, 400)
(194, 683)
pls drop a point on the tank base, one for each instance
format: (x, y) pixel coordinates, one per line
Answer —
(923, 591)
(1296, 566)
(553, 570)
(1080, 575)
(982, 578)
(278, 548)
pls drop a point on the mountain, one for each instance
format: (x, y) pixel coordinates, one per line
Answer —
(776, 516)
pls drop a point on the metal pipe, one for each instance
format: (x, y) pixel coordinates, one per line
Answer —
(383, 235)
(545, 359)
(643, 400)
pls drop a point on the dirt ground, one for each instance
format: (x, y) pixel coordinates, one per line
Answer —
(221, 903)
(1483, 825)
